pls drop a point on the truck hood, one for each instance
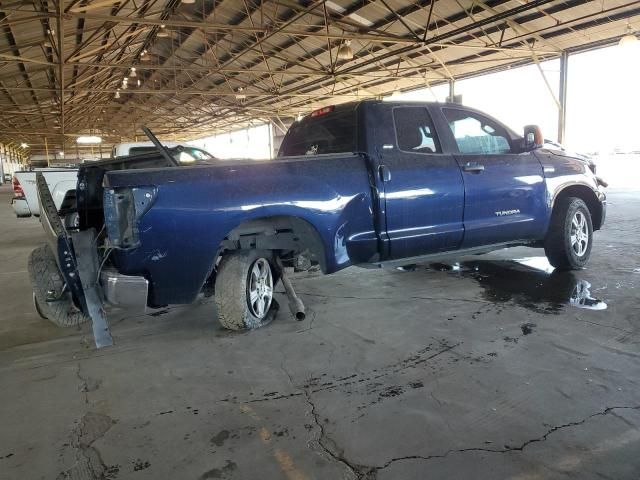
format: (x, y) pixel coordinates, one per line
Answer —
(554, 148)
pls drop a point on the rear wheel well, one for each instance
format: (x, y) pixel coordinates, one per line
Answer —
(295, 239)
(588, 196)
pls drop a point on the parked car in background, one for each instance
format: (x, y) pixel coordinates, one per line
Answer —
(370, 183)
(139, 148)
(62, 181)
(7, 178)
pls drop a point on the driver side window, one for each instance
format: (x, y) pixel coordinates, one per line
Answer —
(476, 134)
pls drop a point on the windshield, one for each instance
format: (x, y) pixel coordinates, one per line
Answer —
(333, 132)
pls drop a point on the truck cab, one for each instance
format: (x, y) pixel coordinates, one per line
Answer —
(448, 177)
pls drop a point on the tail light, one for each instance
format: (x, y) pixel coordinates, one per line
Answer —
(17, 188)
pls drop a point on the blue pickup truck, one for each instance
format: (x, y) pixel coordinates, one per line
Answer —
(366, 183)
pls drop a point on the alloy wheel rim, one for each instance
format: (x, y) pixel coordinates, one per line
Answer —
(579, 234)
(260, 288)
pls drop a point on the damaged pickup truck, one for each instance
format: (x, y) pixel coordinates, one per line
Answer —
(369, 183)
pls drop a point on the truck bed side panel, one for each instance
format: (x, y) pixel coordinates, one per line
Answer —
(196, 207)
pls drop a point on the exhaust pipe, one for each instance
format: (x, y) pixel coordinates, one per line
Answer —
(295, 303)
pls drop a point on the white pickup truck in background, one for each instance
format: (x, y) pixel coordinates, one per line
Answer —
(60, 180)
(25, 201)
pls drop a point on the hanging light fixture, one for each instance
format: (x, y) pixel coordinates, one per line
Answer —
(629, 37)
(162, 32)
(47, 43)
(139, 83)
(188, 2)
(133, 73)
(118, 93)
(345, 52)
(89, 140)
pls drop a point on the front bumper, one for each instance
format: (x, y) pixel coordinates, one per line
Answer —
(20, 207)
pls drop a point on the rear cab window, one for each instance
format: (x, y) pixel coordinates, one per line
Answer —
(331, 130)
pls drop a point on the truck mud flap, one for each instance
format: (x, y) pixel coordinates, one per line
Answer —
(77, 261)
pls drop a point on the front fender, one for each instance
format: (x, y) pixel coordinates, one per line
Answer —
(566, 175)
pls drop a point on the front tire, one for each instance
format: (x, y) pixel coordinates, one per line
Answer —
(244, 290)
(570, 236)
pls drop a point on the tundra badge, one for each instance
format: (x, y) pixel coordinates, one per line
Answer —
(504, 213)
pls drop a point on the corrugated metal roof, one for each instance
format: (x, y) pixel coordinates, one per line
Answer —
(220, 64)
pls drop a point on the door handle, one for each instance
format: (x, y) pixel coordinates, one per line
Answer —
(384, 173)
(473, 167)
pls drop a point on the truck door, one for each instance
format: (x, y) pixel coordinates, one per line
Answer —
(504, 190)
(423, 189)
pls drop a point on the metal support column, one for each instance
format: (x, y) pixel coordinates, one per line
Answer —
(562, 107)
(1, 167)
(452, 90)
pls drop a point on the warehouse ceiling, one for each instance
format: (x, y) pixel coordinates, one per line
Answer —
(208, 66)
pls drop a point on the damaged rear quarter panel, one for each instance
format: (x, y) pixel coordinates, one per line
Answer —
(196, 207)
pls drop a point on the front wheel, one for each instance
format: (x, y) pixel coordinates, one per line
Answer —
(570, 236)
(244, 289)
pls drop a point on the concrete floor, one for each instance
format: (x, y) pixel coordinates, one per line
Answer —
(481, 372)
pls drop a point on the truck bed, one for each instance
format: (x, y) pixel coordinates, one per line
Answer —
(194, 209)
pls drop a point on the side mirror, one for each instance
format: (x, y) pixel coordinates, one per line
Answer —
(533, 137)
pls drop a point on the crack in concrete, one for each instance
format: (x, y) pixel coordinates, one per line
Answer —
(323, 438)
(93, 426)
(366, 472)
(322, 435)
(89, 463)
(373, 473)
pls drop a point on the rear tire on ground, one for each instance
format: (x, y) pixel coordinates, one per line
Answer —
(39, 310)
(570, 235)
(244, 289)
(45, 277)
